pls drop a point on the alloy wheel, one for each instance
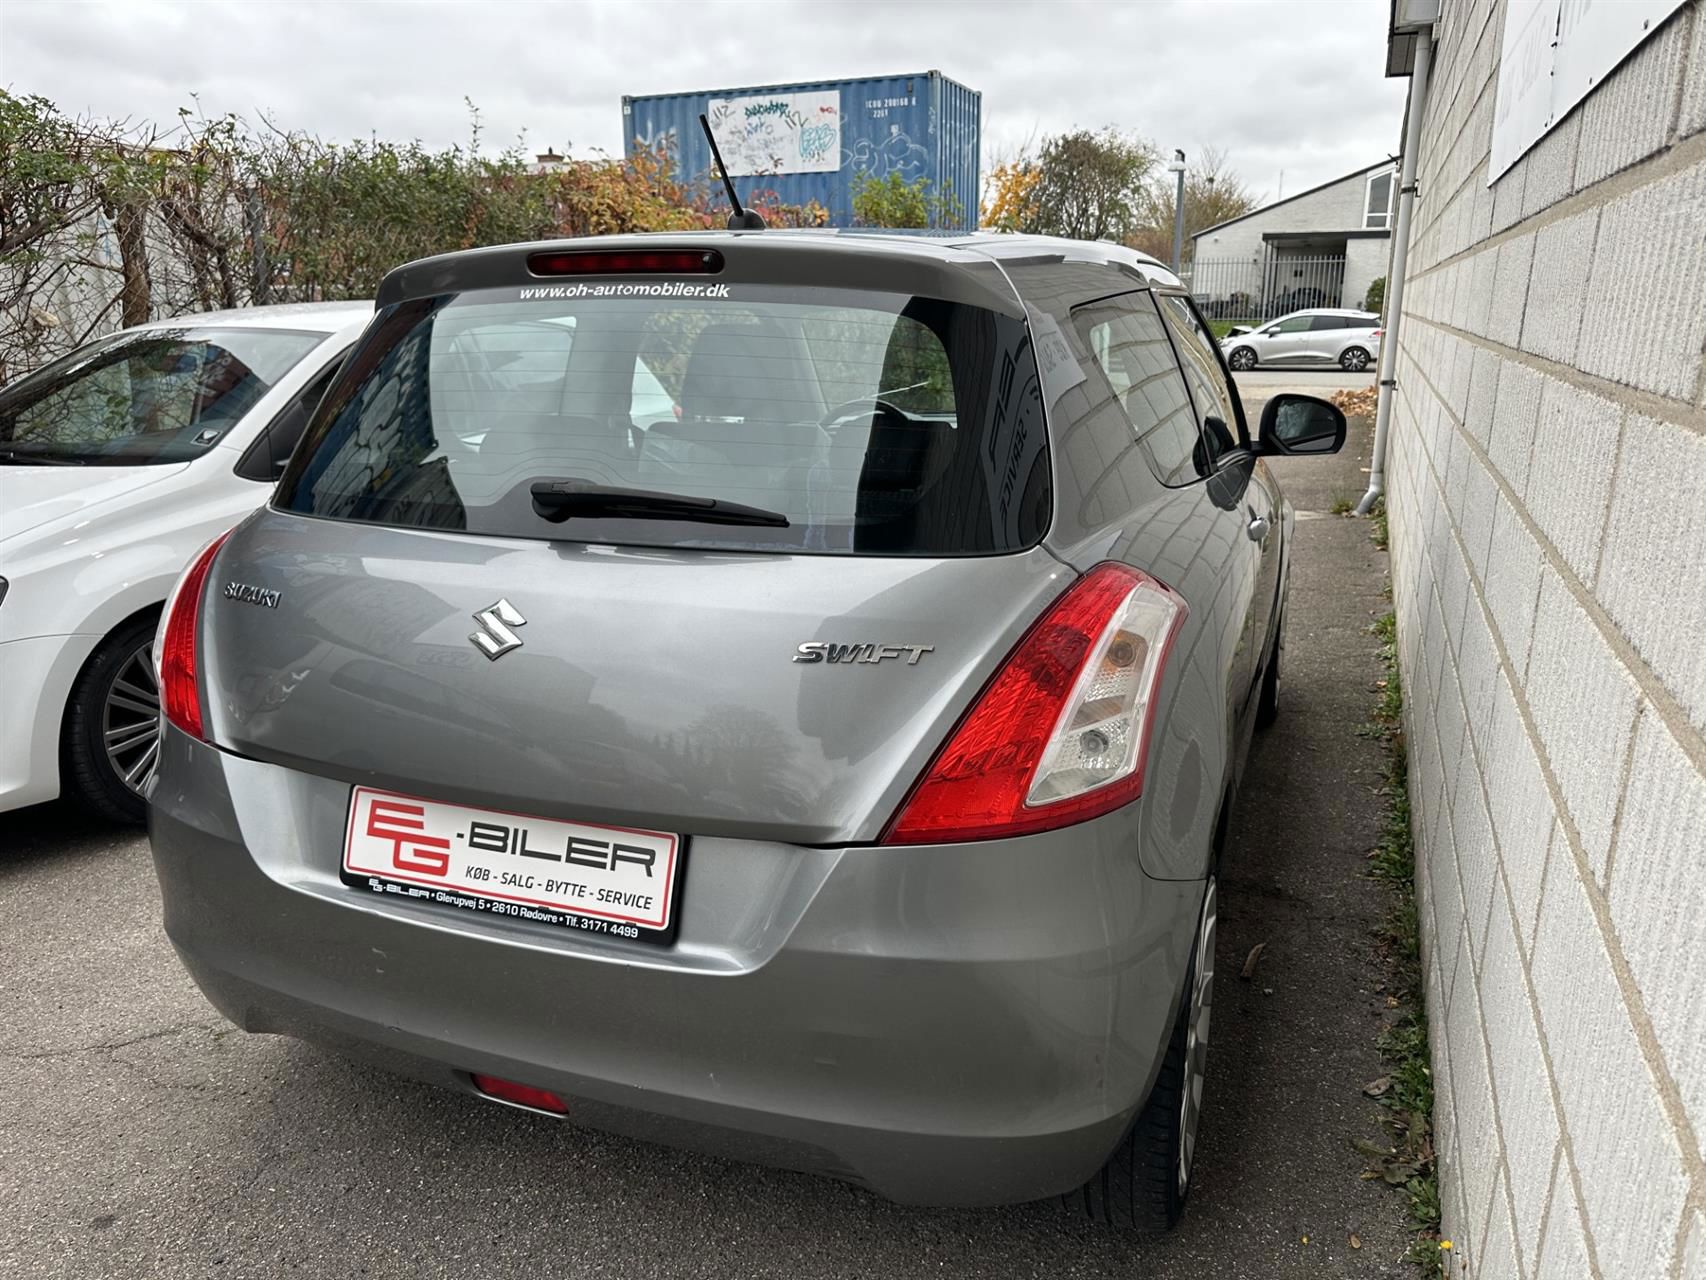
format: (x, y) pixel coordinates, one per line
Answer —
(1196, 1037)
(130, 721)
(1243, 359)
(1355, 360)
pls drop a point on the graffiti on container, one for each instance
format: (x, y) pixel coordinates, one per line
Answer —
(778, 133)
(655, 139)
(879, 157)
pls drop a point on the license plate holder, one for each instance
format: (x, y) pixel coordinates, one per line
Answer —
(615, 882)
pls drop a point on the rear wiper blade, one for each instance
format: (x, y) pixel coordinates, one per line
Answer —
(558, 500)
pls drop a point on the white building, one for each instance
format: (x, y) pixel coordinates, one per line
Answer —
(1319, 248)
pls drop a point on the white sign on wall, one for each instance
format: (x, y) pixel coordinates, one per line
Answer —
(779, 132)
(1555, 53)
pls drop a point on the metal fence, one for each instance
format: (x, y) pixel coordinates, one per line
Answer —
(1256, 289)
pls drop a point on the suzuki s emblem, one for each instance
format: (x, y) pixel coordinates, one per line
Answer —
(494, 638)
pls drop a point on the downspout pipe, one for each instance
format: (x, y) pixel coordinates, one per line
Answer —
(1400, 261)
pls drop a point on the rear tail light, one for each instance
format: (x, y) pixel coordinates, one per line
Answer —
(1061, 734)
(175, 647)
(521, 1095)
(1378, 333)
(626, 262)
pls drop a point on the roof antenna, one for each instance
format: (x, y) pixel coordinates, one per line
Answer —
(741, 219)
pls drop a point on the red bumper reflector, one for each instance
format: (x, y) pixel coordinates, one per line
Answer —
(523, 1095)
(626, 262)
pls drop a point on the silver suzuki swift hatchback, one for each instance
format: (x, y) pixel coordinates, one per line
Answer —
(774, 693)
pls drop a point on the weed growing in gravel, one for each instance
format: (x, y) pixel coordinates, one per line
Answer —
(1407, 1089)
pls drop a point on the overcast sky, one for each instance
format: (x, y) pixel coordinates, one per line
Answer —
(1292, 85)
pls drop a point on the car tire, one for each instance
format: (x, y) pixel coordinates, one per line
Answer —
(112, 726)
(1267, 701)
(1145, 1183)
(1242, 360)
(1353, 359)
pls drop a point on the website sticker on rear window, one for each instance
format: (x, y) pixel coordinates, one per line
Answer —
(662, 289)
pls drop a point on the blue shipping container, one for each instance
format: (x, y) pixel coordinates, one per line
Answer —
(806, 142)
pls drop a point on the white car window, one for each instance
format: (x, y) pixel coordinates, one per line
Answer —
(145, 396)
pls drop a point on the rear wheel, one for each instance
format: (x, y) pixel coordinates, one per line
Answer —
(1242, 359)
(1353, 359)
(112, 726)
(1145, 1183)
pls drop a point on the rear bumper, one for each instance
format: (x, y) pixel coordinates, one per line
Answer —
(957, 1025)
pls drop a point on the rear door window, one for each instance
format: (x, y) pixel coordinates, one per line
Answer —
(1131, 349)
(873, 423)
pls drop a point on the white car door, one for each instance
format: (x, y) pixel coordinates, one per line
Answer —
(1283, 341)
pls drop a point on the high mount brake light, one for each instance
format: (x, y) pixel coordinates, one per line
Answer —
(626, 262)
(176, 649)
(1061, 734)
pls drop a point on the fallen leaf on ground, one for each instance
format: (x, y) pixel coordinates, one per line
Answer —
(1369, 1147)
(1249, 969)
(1375, 1088)
(1356, 1241)
(1360, 402)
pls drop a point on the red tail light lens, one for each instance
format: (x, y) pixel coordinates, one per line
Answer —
(1378, 333)
(522, 1095)
(625, 262)
(1061, 734)
(175, 648)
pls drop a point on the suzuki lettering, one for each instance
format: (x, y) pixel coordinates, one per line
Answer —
(494, 638)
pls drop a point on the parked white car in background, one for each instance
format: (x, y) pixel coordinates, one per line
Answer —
(1349, 339)
(116, 464)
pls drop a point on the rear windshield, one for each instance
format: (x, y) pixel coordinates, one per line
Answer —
(145, 396)
(868, 422)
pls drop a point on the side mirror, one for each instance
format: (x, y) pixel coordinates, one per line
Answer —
(1299, 425)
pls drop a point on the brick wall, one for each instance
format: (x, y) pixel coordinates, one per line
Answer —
(1547, 490)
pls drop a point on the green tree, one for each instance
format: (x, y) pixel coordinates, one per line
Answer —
(892, 201)
(1375, 299)
(1089, 185)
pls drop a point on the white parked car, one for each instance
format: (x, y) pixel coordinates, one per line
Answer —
(1349, 339)
(116, 464)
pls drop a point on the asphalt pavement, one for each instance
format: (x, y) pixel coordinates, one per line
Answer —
(142, 1136)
